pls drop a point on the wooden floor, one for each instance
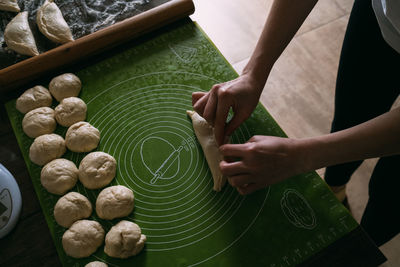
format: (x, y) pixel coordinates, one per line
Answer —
(299, 93)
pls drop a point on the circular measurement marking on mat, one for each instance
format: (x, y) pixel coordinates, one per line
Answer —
(145, 127)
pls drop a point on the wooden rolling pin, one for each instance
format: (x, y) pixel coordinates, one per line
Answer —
(33, 68)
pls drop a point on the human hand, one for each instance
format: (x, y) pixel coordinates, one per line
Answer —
(263, 160)
(241, 94)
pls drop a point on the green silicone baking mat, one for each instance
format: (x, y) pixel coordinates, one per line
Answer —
(138, 99)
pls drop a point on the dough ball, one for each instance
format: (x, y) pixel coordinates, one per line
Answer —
(114, 202)
(97, 170)
(34, 97)
(38, 122)
(124, 239)
(96, 264)
(59, 175)
(70, 110)
(52, 24)
(71, 208)
(45, 148)
(19, 37)
(82, 137)
(65, 85)
(83, 238)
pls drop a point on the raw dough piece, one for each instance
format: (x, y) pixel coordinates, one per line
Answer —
(9, 5)
(124, 239)
(45, 148)
(19, 37)
(83, 238)
(205, 135)
(34, 97)
(39, 121)
(52, 24)
(71, 208)
(97, 170)
(70, 110)
(114, 202)
(82, 137)
(65, 85)
(96, 264)
(59, 175)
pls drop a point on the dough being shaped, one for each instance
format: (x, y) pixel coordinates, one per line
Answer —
(52, 24)
(19, 37)
(38, 122)
(83, 238)
(45, 148)
(96, 264)
(65, 85)
(32, 98)
(205, 135)
(124, 239)
(82, 137)
(9, 5)
(97, 170)
(114, 202)
(71, 208)
(70, 110)
(59, 175)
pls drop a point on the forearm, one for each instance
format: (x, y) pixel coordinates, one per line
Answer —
(284, 19)
(375, 138)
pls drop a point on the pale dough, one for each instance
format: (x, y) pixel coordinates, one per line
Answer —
(114, 202)
(205, 135)
(32, 98)
(97, 170)
(38, 122)
(83, 238)
(59, 175)
(70, 110)
(71, 208)
(9, 5)
(52, 23)
(45, 148)
(125, 239)
(65, 85)
(96, 264)
(82, 137)
(19, 37)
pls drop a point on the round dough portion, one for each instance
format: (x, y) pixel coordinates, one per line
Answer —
(65, 85)
(71, 208)
(82, 137)
(59, 175)
(97, 170)
(70, 110)
(96, 264)
(38, 122)
(83, 238)
(125, 239)
(34, 97)
(46, 147)
(114, 202)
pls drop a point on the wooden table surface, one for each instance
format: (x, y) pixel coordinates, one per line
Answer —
(29, 243)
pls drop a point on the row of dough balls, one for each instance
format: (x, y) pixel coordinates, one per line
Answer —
(40, 120)
(49, 19)
(84, 237)
(96, 170)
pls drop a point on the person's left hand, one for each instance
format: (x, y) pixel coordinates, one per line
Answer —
(263, 160)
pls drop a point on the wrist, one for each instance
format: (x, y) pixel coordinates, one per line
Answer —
(311, 154)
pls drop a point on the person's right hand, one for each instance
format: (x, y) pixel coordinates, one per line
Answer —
(241, 94)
